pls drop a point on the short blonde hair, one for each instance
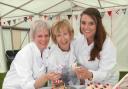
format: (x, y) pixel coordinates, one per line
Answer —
(36, 26)
(58, 26)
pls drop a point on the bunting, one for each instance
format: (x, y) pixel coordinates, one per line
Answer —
(30, 17)
(50, 17)
(45, 17)
(14, 21)
(9, 22)
(69, 16)
(58, 18)
(25, 19)
(102, 14)
(124, 10)
(110, 13)
(117, 12)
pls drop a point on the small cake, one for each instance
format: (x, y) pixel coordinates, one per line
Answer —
(98, 86)
(88, 86)
(58, 84)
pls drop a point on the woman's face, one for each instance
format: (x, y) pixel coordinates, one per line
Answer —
(63, 39)
(88, 27)
(41, 38)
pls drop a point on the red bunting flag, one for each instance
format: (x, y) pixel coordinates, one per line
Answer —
(58, 18)
(45, 17)
(110, 13)
(30, 17)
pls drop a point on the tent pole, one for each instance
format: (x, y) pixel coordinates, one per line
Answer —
(3, 47)
(11, 38)
(24, 39)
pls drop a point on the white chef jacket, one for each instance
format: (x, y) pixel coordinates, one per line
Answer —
(25, 68)
(59, 59)
(104, 70)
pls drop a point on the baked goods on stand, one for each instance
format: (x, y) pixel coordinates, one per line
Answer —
(58, 84)
(92, 85)
(98, 86)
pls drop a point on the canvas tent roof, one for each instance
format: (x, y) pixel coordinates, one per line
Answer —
(13, 8)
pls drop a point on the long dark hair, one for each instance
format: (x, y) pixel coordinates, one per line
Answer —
(100, 35)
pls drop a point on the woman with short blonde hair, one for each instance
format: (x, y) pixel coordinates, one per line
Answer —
(57, 27)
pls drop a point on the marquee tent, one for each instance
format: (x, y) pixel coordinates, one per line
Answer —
(16, 16)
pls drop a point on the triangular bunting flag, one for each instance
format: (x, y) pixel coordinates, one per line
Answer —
(50, 17)
(30, 17)
(9, 22)
(58, 18)
(25, 19)
(102, 14)
(14, 21)
(69, 16)
(110, 13)
(124, 10)
(45, 17)
(117, 12)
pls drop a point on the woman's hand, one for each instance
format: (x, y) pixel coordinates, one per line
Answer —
(53, 76)
(83, 73)
(44, 78)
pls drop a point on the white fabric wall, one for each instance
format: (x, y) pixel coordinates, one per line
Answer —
(120, 35)
(117, 28)
(2, 55)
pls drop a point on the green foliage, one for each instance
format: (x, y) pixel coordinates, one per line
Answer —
(2, 75)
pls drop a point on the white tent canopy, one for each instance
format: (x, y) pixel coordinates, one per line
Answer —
(116, 24)
(15, 8)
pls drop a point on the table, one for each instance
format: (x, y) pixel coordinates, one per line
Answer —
(69, 87)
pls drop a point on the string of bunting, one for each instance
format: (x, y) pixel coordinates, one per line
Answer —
(58, 17)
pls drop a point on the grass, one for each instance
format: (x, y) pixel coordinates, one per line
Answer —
(122, 74)
(2, 75)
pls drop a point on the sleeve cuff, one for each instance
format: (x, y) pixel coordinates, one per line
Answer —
(98, 76)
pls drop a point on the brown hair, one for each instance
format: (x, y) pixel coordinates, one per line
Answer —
(58, 26)
(100, 35)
